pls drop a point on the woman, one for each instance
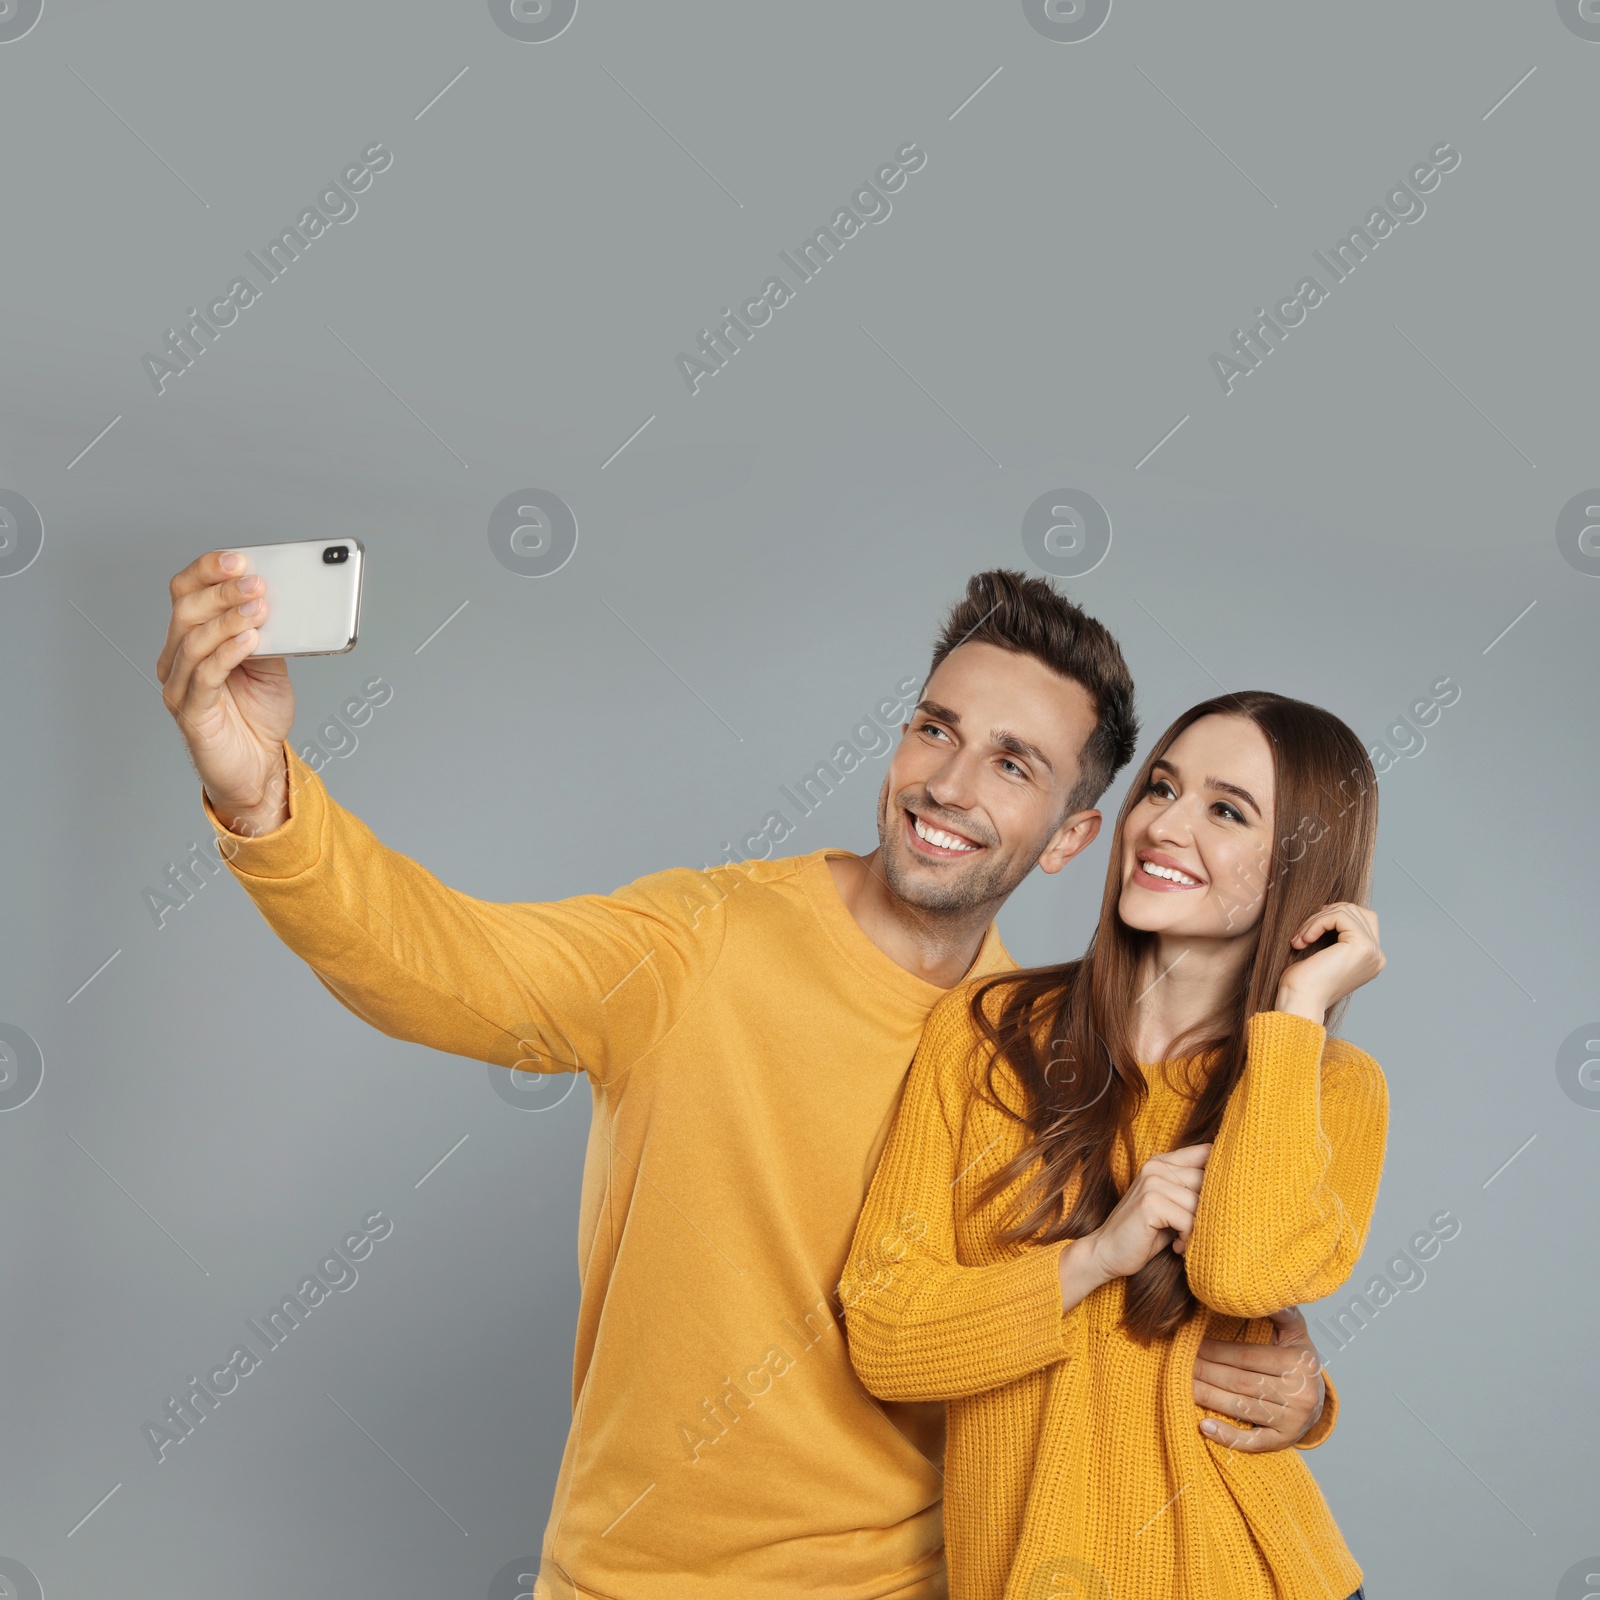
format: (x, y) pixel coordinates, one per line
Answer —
(1095, 1166)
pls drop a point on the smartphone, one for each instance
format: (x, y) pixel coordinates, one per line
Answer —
(313, 593)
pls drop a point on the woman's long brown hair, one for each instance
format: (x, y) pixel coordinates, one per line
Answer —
(1066, 1031)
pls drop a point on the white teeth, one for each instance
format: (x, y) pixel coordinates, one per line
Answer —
(1171, 873)
(945, 841)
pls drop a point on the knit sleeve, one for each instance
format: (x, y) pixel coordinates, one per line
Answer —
(922, 1325)
(1290, 1187)
(585, 984)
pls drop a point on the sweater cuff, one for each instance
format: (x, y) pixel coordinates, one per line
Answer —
(1018, 1326)
(1284, 1053)
(1283, 1033)
(1059, 1333)
(1323, 1426)
(956, 1332)
(291, 847)
(1024, 1326)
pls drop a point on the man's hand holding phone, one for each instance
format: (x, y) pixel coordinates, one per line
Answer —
(234, 712)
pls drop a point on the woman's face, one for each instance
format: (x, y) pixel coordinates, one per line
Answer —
(1197, 845)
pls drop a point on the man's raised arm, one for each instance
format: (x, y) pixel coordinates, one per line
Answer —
(589, 983)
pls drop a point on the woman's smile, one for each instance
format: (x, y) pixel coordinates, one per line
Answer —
(1162, 874)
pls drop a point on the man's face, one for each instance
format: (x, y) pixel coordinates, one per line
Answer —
(977, 788)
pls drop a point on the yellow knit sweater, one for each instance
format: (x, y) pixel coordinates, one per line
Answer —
(1074, 1464)
(745, 1044)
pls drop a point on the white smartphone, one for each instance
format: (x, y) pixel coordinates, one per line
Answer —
(313, 593)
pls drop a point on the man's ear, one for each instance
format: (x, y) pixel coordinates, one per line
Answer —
(1076, 833)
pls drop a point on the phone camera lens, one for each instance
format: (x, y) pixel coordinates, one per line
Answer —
(336, 553)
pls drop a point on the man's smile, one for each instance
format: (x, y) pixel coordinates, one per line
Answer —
(939, 844)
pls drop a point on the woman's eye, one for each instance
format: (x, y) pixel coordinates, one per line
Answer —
(1230, 812)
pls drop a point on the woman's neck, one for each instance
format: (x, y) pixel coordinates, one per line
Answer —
(1182, 984)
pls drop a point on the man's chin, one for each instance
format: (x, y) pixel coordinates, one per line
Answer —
(944, 886)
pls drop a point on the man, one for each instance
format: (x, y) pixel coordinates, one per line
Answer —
(746, 1031)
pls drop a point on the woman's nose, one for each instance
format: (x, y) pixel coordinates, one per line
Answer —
(1172, 826)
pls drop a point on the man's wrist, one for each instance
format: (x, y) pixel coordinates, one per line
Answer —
(1314, 1416)
(248, 823)
(1322, 1424)
(249, 819)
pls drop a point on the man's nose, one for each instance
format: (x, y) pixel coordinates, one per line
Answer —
(953, 784)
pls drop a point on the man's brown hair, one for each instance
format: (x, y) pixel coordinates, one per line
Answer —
(1029, 616)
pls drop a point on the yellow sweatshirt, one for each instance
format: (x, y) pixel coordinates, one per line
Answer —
(746, 1044)
(1074, 1463)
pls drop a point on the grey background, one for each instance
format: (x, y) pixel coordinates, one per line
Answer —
(1366, 513)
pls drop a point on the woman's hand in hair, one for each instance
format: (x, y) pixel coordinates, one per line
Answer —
(1157, 1210)
(1313, 986)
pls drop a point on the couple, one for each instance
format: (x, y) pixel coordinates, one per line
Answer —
(1039, 1258)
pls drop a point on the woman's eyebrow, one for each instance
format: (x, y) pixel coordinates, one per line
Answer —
(1233, 788)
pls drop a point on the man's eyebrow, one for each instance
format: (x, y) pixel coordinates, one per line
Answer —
(1002, 737)
(1021, 747)
(1214, 783)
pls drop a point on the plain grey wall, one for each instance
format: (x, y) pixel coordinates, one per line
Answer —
(1364, 514)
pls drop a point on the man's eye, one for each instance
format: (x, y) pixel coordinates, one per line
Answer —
(1013, 767)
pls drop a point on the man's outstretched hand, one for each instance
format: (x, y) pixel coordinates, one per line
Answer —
(1275, 1387)
(234, 713)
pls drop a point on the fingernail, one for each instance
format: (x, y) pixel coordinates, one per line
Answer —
(232, 561)
(1208, 1426)
(250, 609)
(249, 585)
